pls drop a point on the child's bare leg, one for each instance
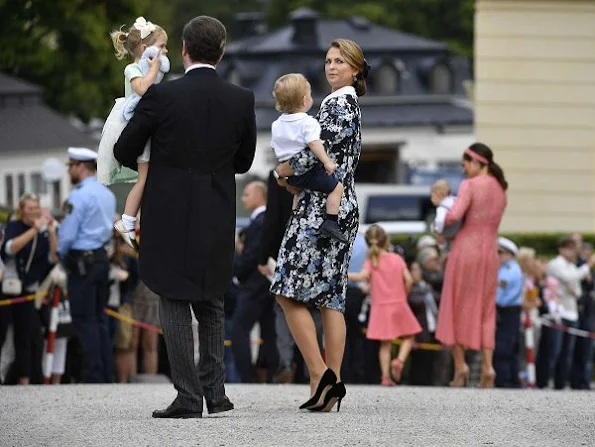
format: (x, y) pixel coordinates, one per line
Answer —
(134, 198)
(333, 201)
(405, 349)
(295, 201)
(384, 354)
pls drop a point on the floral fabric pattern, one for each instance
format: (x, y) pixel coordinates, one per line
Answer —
(311, 268)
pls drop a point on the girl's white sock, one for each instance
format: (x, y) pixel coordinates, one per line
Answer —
(129, 224)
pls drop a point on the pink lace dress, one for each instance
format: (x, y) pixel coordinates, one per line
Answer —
(467, 314)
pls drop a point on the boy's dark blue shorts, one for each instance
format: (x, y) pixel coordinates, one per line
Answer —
(316, 179)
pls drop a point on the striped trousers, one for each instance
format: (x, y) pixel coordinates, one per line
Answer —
(207, 379)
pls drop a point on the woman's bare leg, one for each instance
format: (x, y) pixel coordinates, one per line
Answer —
(333, 323)
(302, 328)
(488, 375)
(149, 343)
(461, 369)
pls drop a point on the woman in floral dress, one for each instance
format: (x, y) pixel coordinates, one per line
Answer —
(312, 269)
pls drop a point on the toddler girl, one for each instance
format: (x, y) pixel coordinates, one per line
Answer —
(390, 314)
(146, 44)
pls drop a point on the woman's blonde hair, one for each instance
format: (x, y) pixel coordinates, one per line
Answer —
(18, 214)
(128, 44)
(354, 56)
(377, 240)
(289, 92)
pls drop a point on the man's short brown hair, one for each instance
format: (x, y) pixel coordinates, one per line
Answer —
(205, 38)
(567, 242)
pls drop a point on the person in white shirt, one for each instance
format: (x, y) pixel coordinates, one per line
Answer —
(564, 269)
(295, 131)
(443, 200)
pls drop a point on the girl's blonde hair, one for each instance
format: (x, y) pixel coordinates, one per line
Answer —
(128, 44)
(289, 92)
(526, 259)
(377, 240)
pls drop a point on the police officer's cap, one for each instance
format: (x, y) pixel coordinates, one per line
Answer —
(508, 245)
(81, 154)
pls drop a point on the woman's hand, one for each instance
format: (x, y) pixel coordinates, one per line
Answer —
(284, 170)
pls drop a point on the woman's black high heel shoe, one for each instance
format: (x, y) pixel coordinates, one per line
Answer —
(328, 379)
(333, 396)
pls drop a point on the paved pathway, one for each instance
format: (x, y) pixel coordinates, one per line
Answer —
(267, 415)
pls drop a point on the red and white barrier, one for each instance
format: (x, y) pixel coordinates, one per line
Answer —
(530, 349)
(53, 326)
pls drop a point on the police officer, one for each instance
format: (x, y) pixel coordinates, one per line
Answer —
(511, 286)
(82, 236)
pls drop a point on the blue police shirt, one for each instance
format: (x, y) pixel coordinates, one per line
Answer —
(88, 224)
(511, 284)
(358, 257)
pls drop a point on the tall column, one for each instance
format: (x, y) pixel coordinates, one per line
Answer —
(535, 107)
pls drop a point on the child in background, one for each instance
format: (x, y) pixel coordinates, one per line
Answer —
(296, 131)
(390, 314)
(443, 200)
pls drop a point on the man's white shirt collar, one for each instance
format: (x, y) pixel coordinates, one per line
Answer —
(257, 211)
(193, 66)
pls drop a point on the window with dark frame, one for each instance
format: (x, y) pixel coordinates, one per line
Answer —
(9, 190)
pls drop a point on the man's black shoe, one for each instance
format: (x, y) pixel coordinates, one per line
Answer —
(219, 406)
(331, 228)
(176, 411)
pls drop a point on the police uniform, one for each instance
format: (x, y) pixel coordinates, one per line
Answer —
(511, 286)
(86, 229)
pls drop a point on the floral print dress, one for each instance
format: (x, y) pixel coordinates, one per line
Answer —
(311, 268)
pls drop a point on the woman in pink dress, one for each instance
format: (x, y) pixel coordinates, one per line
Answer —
(390, 314)
(467, 314)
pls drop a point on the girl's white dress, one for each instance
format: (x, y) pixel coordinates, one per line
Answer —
(109, 171)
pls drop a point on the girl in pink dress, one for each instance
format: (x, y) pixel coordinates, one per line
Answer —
(467, 314)
(390, 314)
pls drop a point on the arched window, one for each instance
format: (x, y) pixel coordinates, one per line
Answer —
(440, 80)
(386, 80)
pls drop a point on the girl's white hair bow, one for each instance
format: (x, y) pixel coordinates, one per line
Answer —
(144, 27)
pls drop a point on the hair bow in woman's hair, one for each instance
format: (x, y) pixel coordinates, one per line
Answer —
(367, 69)
(144, 27)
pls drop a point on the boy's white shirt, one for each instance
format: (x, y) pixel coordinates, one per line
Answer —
(291, 133)
(441, 211)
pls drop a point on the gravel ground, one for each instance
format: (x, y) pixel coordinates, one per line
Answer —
(268, 415)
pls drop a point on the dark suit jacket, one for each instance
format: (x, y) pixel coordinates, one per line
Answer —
(246, 267)
(279, 203)
(203, 132)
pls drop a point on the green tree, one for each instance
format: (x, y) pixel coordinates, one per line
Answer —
(64, 46)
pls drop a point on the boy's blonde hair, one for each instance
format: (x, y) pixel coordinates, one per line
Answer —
(441, 185)
(289, 92)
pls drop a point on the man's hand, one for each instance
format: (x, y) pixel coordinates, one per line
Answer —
(265, 270)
